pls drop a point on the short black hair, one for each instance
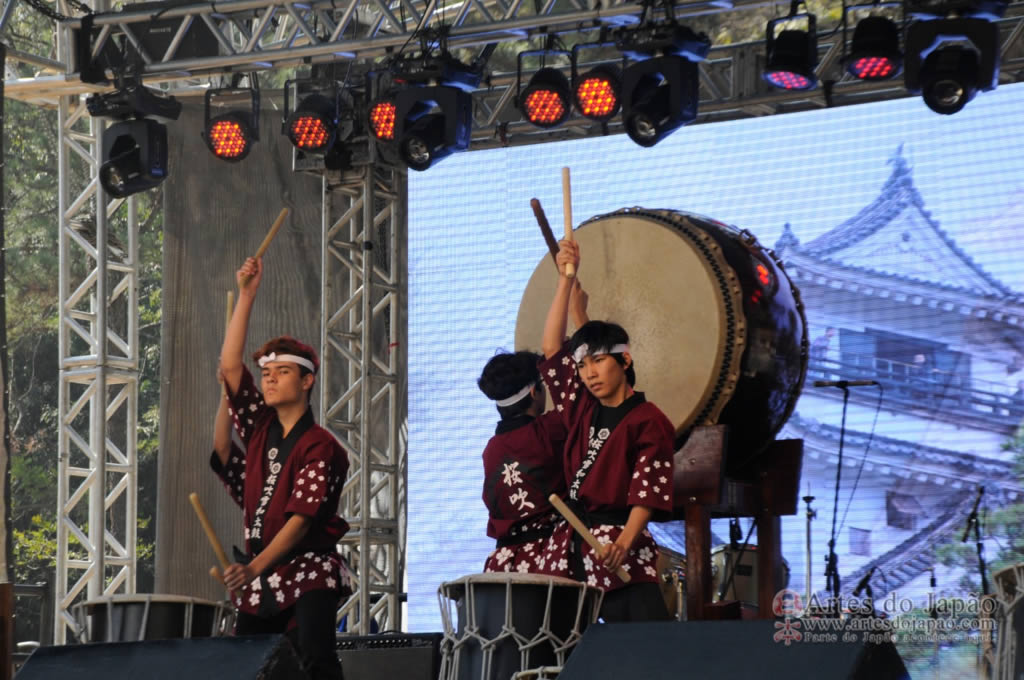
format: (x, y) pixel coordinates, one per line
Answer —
(505, 374)
(598, 334)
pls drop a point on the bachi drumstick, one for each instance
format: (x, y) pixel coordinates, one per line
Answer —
(218, 549)
(269, 237)
(545, 229)
(227, 322)
(583, 531)
(570, 269)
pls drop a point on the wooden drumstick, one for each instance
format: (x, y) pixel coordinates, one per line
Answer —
(583, 531)
(570, 269)
(216, 575)
(545, 229)
(218, 549)
(269, 237)
(227, 322)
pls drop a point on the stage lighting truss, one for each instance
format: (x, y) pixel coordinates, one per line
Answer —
(546, 101)
(875, 51)
(792, 52)
(322, 117)
(230, 135)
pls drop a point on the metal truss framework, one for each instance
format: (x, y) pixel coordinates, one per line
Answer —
(363, 369)
(253, 35)
(98, 348)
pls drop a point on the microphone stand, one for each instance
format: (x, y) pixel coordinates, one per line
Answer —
(980, 547)
(811, 515)
(832, 560)
(972, 519)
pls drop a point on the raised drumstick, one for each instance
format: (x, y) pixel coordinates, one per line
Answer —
(268, 238)
(227, 322)
(570, 269)
(545, 229)
(583, 531)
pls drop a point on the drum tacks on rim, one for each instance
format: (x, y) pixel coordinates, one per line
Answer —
(717, 329)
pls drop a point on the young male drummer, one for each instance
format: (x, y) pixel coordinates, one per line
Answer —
(288, 481)
(618, 456)
(522, 466)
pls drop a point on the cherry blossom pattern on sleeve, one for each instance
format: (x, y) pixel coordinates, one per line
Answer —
(245, 406)
(560, 377)
(314, 484)
(232, 474)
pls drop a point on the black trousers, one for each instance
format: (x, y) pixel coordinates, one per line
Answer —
(313, 632)
(635, 602)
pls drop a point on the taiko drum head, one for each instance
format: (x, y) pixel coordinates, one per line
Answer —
(716, 329)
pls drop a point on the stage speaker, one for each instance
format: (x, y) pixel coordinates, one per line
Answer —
(725, 650)
(257, 657)
(414, 656)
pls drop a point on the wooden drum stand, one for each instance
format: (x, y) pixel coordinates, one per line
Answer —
(769, 490)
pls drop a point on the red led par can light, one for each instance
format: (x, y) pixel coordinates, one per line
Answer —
(382, 119)
(597, 93)
(229, 137)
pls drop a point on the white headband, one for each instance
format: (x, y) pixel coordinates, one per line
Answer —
(274, 356)
(584, 350)
(514, 399)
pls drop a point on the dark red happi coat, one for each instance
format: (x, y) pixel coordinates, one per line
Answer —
(632, 466)
(522, 467)
(308, 483)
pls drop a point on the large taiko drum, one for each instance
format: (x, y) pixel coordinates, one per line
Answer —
(717, 329)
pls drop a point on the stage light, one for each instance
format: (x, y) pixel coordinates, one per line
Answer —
(312, 127)
(545, 101)
(136, 157)
(597, 93)
(230, 135)
(949, 60)
(792, 55)
(659, 95)
(134, 151)
(432, 123)
(875, 52)
(382, 119)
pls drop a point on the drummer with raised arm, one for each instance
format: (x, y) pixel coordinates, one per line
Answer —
(288, 481)
(618, 455)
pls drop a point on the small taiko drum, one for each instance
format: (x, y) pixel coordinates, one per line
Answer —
(133, 618)
(716, 327)
(500, 624)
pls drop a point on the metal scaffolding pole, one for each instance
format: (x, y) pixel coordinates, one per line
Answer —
(364, 358)
(97, 345)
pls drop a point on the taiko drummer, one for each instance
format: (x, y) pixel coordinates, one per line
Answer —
(288, 482)
(618, 456)
(522, 466)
